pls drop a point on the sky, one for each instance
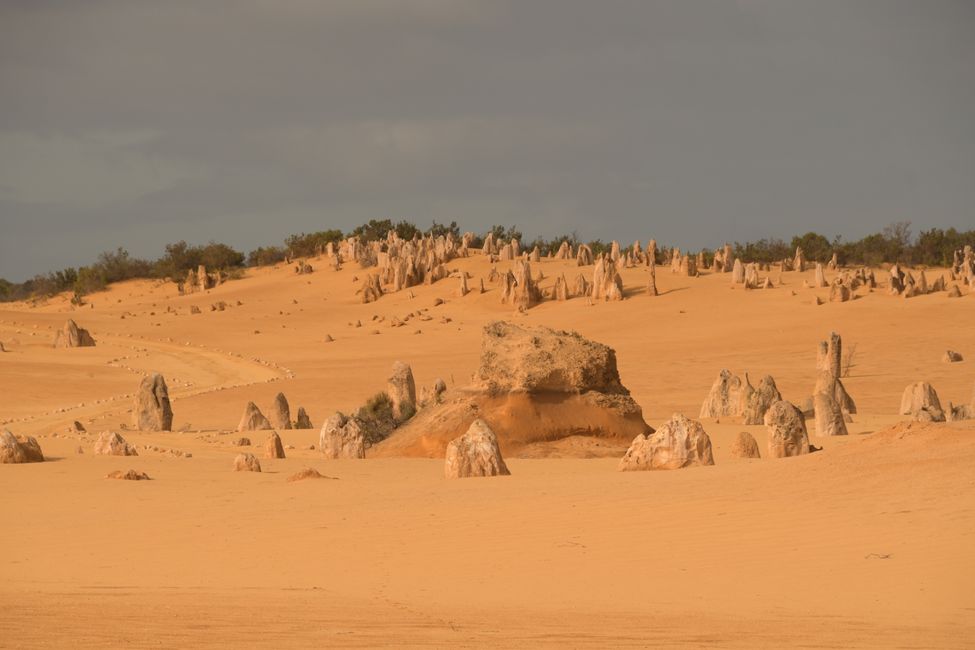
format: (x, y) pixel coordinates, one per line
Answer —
(695, 122)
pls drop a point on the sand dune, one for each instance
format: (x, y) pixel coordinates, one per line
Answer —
(865, 544)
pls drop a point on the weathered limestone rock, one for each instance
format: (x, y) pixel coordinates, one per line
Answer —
(302, 421)
(799, 263)
(829, 416)
(72, 336)
(153, 411)
(342, 437)
(19, 449)
(463, 290)
(561, 290)
(652, 267)
(402, 391)
(537, 387)
(305, 474)
(476, 453)
(564, 252)
(757, 401)
(280, 413)
(738, 272)
(584, 255)
(951, 356)
(820, 281)
(253, 419)
(744, 446)
(371, 289)
(921, 402)
(247, 463)
(787, 434)
(110, 443)
(725, 397)
(839, 293)
(131, 475)
(829, 365)
(680, 442)
(526, 293)
(273, 447)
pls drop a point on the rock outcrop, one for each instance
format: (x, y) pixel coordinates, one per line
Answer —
(476, 453)
(537, 387)
(402, 391)
(828, 365)
(951, 356)
(725, 397)
(247, 463)
(253, 419)
(153, 411)
(19, 449)
(829, 416)
(342, 437)
(280, 413)
(130, 475)
(72, 336)
(110, 443)
(921, 402)
(302, 420)
(678, 443)
(744, 446)
(787, 435)
(758, 400)
(273, 447)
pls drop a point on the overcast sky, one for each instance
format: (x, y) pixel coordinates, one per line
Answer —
(140, 123)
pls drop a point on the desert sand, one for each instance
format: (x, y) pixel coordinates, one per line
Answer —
(868, 543)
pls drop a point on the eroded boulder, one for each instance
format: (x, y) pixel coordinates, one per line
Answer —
(247, 463)
(342, 437)
(678, 443)
(921, 402)
(110, 443)
(153, 411)
(72, 336)
(253, 419)
(787, 435)
(744, 446)
(476, 453)
(19, 449)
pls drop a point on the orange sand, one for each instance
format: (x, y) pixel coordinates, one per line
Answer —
(867, 544)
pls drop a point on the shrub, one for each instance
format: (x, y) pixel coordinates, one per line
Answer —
(376, 416)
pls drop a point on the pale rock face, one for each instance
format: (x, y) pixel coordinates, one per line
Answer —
(829, 416)
(725, 397)
(921, 402)
(820, 277)
(19, 449)
(402, 391)
(744, 446)
(342, 437)
(738, 272)
(72, 336)
(280, 412)
(110, 443)
(273, 447)
(253, 419)
(678, 443)
(475, 454)
(839, 293)
(539, 359)
(247, 463)
(828, 363)
(758, 400)
(153, 411)
(787, 435)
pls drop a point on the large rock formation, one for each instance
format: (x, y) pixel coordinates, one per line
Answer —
(342, 437)
(72, 336)
(921, 402)
(758, 400)
(787, 434)
(680, 442)
(110, 443)
(280, 412)
(725, 397)
(476, 453)
(537, 386)
(19, 449)
(153, 411)
(829, 416)
(402, 391)
(253, 419)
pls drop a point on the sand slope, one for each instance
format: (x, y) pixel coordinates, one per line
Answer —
(867, 543)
